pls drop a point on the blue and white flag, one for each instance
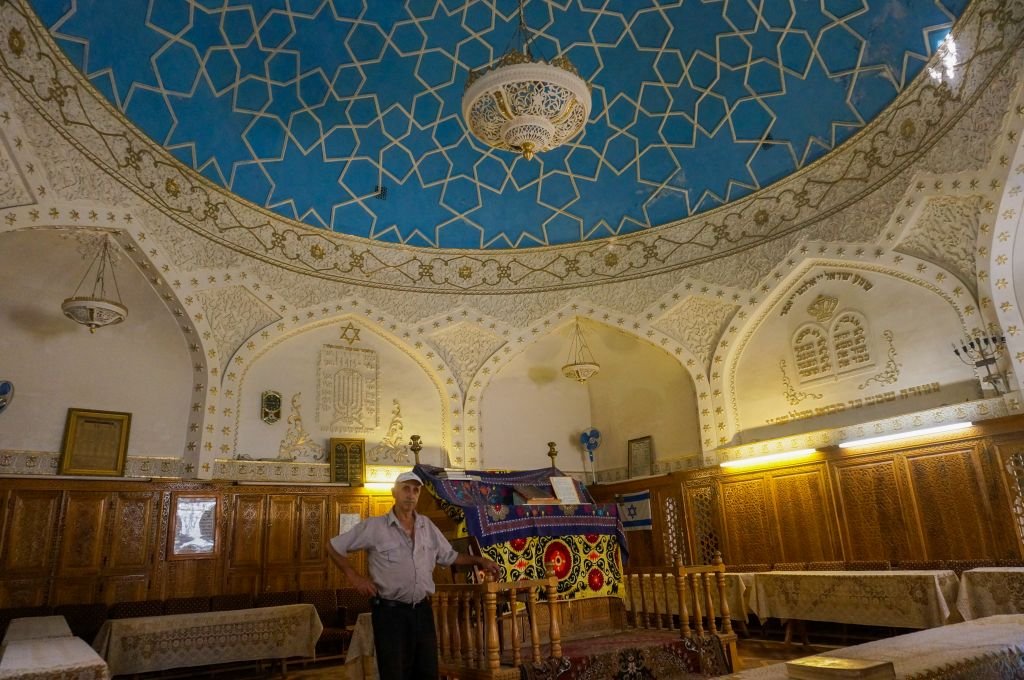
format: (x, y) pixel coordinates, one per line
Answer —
(635, 510)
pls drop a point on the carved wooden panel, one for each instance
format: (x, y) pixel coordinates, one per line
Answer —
(312, 579)
(803, 515)
(125, 588)
(27, 592)
(241, 581)
(947, 490)
(83, 535)
(380, 505)
(247, 531)
(132, 530)
(276, 580)
(703, 513)
(282, 532)
(76, 590)
(29, 533)
(313, 529)
(871, 512)
(746, 521)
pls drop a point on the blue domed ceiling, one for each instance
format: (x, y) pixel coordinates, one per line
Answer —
(346, 115)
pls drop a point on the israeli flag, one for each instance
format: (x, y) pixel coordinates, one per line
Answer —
(635, 510)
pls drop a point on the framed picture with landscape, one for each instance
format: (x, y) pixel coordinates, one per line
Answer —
(640, 457)
(95, 443)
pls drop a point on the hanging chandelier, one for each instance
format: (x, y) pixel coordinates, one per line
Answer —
(581, 364)
(96, 310)
(524, 104)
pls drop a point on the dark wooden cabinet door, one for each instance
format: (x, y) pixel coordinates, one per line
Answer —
(29, 531)
(282, 532)
(313, 530)
(132, 531)
(83, 534)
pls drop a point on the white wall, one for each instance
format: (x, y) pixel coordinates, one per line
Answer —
(141, 366)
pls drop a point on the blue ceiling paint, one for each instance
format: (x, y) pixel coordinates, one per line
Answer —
(306, 107)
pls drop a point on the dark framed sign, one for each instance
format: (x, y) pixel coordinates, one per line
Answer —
(640, 457)
(348, 461)
(95, 442)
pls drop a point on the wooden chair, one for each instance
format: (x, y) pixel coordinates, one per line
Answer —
(828, 565)
(132, 610)
(186, 605)
(789, 566)
(84, 620)
(920, 564)
(960, 566)
(277, 599)
(230, 602)
(335, 636)
(747, 568)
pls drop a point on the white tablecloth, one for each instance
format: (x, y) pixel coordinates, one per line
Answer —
(901, 599)
(35, 627)
(361, 659)
(984, 649)
(57, 658)
(155, 643)
(991, 590)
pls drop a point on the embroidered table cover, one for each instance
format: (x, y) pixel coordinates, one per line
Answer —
(36, 627)
(154, 643)
(990, 648)
(901, 599)
(991, 590)
(54, 658)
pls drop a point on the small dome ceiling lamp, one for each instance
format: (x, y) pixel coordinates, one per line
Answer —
(526, 104)
(97, 310)
(581, 364)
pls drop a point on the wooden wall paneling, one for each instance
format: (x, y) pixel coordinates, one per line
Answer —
(190, 578)
(280, 569)
(1009, 452)
(747, 523)
(348, 504)
(244, 560)
(132, 532)
(997, 501)
(946, 489)
(703, 519)
(804, 514)
(671, 509)
(313, 535)
(30, 533)
(871, 506)
(83, 541)
(380, 505)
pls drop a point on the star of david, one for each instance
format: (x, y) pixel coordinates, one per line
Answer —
(347, 336)
(631, 510)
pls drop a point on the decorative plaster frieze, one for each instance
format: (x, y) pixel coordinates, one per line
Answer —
(944, 234)
(465, 347)
(698, 322)
(234, 314)
(35, 463)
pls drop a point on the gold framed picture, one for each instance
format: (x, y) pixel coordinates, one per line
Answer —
(194, 533)
(640, 457)
(348, 462)
(95, 442)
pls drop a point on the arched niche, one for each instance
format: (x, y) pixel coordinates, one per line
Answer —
(641, 390)
(303, 362)
(141, 366)
(901, 363)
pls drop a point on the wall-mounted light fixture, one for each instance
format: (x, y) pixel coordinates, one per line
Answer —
(770, 458)
(951, 427)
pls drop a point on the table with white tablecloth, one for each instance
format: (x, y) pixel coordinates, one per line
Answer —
(154, 643)
(36, 627)
(988, 591)
(990, 648)
(53, 658)
(361, 658)
(901, 599)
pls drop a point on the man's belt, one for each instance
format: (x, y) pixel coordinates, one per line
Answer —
(398, 604)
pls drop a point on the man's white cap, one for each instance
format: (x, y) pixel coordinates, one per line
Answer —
(408, 477)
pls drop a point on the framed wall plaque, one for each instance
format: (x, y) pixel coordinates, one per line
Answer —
(95, 443)
(640, 457)
(195, 527)
(348, 461)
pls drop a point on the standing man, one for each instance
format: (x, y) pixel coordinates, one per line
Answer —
(403, 548)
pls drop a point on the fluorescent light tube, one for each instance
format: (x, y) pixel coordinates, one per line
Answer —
(952, 427)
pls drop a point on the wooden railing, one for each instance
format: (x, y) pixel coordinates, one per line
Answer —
(682, 598)
(482, 629)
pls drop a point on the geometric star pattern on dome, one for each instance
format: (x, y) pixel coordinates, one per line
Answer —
(311, 107)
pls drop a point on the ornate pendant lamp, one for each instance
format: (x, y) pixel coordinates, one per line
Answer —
(580, 364)
(524, 104)
(97, 310)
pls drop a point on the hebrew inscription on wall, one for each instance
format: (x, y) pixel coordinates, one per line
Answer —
(347, 390)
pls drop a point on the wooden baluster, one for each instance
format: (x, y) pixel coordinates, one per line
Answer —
(684, 617)
(554, 613)
(698, 623)
(705, 577)
(491, 616)
(469, 637)
(531, 614)
(656, 579)
(456, 632)
(723, 603)
(643, 601)
(442, 615)
(632, 585)
(513, 601)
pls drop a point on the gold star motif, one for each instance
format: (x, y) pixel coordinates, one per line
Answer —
(349, 333)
